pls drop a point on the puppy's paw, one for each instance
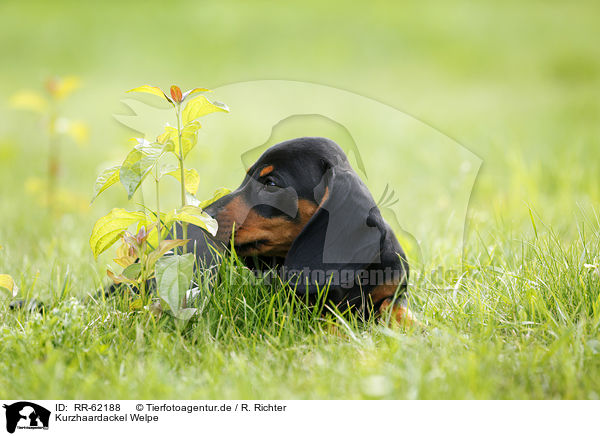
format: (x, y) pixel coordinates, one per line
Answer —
(397, 314)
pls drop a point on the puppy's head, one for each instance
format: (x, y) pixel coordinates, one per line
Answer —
(277, 197)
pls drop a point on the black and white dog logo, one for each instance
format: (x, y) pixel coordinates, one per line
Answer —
(26, 415)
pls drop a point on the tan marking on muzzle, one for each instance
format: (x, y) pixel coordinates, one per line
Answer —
(277, 234)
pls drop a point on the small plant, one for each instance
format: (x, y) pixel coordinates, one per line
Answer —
(141, 253)
(56, 127)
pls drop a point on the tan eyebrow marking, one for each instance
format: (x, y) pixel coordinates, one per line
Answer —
(266, 170)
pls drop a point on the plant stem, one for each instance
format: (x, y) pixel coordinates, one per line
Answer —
(181, 167)
(182, 172)
(157, 206)
(143, 289)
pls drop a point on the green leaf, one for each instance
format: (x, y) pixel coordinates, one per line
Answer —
(191, 200)
(136, 304)
(132, 272)
(199, 107)
(108, 228)
(137, 165)
(189, 137)
(173, 279)
(164, 247)
(105, 180)
(7, 283)
(185, 314)
(195, 215)
(167, 220)
(118, 279)
(170, 138)
(154, 90)
(192, 179)
(221, 192)
(166, 170)
(191, 128)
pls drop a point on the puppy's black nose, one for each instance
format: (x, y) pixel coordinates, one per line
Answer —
(212, 210)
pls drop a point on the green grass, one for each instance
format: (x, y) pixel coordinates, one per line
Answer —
(522, 323)
(517, 84)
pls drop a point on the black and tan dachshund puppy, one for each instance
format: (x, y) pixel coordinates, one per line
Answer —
(302, 209)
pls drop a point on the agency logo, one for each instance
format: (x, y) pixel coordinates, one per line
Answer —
(417, 178)
(422, 177)
(26, 415)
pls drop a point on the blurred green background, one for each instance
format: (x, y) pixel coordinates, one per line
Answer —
(516, 83)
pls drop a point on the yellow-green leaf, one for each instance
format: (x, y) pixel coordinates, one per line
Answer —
(137, 165)
(61, 88)
(191, 128)
(189, 137)
(124, 261)
(108, 229)
(221, 192)
(164, 247)
(193, 91)
(173, 279)
(192, 179)
(136, 304)
(126, 255)
(106, 179)
(166, 219)
(133, 271)
(154, 90)
(170, 138)
(79, 131)
(166, 170)
(195, 215)
(7, 282)
(29, 100)
(199, 107)
(118, 279)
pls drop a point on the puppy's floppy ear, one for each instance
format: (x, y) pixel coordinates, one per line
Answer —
(342, 235)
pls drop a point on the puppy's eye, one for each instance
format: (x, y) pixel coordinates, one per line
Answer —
(269, 181)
